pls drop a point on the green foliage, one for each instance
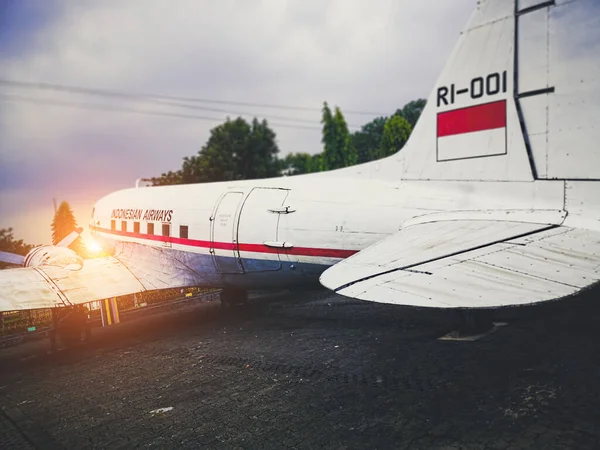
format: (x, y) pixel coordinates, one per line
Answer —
(238, 150)
(372, 142)
(338, 150)
(328, 138)
(412, 111)
(368, 140)
(9, 244)
(317, 163)
(297, 164)
(169, 178)
(63, 224)
(235, 150)
(395, 134)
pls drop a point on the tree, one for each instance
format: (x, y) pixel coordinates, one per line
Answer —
(338, 150)
(328, 138)
(238, 150)
(368, 140)
(168, 178)
(316, 163)
(63, 224)
(412, 111)
(395, 134)
(297, 163)
(235, 150)
(9, 244)
(260, 158)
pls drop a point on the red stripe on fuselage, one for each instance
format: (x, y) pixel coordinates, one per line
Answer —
(257, 248)
(474, 118)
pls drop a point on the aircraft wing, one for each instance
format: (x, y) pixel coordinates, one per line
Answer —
(51, 286)
(463, 261)
(131, 270)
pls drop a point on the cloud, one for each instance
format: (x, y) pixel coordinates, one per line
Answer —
(371, 55)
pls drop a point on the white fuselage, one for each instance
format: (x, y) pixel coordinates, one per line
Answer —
(284, 231)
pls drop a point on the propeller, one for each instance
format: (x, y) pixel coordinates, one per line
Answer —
(19, 260)
(12, 258)
(70, 238)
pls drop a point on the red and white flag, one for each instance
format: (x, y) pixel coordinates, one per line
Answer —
(472, 132)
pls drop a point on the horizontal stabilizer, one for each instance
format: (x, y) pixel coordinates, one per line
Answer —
(458, 263)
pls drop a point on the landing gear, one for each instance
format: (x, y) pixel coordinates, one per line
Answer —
(233, 298)
(70, 326)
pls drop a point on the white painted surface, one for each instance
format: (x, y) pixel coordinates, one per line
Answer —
(535, 114)
(533, 51)
(258, 224)
(524, 4)
(472, 145)
(225, 230)
(583, 203)
(552, 266)
(28, 288)
(432, 238)
(574, 134)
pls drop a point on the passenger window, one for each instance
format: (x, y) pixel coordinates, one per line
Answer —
(136, 227)
(166, 229)
(150, 228)
(183, 231)
(113, 225)
(123, 225)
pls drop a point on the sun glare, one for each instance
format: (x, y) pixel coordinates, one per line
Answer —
(92, 246)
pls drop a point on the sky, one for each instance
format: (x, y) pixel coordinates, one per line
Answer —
(369, 56)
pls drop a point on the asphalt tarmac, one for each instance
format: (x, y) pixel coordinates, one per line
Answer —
(312, 370)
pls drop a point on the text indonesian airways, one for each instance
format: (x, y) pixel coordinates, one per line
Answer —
(157, 215)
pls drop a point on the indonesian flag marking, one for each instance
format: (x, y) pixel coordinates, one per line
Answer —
(472, 132)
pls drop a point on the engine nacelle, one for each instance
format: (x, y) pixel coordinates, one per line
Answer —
(51, 255)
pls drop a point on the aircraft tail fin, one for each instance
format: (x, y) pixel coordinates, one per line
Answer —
(518, 100)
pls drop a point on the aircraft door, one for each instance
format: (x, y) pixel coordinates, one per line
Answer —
(259, 246)
(223, 244)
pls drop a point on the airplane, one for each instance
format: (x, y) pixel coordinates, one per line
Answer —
(494, 201)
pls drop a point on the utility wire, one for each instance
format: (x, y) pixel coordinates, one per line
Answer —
(143, 98)
(89, 106)
(138, 96)
(241, 113)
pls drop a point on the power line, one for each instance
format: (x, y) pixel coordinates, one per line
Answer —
(141, 97)
(138, 96)
(147, 98)
(241, 113)
(88, 106)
